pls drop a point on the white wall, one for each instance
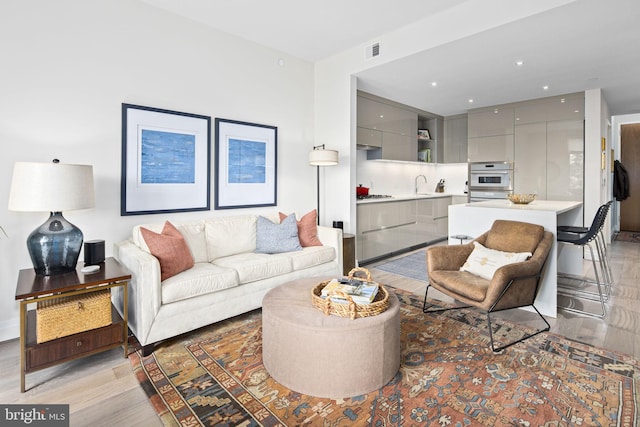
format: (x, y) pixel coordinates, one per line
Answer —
(336, 84)
(68, 65)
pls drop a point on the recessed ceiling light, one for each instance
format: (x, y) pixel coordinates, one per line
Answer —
(470, 101)
(382, 116)
(496, 111)
(519, 63)
(562, 101)
(434, 84)
(545, 87)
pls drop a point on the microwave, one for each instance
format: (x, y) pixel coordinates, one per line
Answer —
(491, 176)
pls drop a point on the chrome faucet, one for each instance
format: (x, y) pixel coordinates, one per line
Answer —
(416, 182)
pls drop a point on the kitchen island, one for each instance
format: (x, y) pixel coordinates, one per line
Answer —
(473, 219)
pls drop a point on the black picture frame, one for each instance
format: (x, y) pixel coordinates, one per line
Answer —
(166, 161)
(246, 171)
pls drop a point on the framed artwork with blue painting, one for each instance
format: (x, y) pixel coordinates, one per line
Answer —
(166, 161)
(246, 166)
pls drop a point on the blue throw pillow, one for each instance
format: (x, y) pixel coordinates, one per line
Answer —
(276, 238)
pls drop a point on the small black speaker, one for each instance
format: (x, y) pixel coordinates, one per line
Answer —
(93, 252)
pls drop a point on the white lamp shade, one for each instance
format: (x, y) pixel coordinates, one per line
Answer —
(323, 157)
(51, 187)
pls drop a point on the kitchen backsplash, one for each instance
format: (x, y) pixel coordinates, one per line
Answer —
(395, 178)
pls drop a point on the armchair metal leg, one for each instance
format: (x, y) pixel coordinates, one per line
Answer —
(426, 309)
(502, 347)
(437, 310)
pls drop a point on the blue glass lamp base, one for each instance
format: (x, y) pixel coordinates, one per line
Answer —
(55, 246)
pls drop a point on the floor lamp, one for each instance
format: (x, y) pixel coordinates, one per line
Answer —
(321, 157)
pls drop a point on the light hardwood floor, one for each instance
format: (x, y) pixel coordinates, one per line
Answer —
(102, 390)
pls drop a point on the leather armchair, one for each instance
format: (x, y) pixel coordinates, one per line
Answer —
(512, 286)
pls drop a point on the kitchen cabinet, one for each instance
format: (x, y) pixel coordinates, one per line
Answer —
(549, 159)
(385, 117)
(459, 200)
(530, 166)
(384, 228)
(567, 107)
(432, 219)
(389, 227)
(389, 130)
(455, 139)
(395, 147)
(490, 134)
(369, 138)
(490, 122)
(490, 149)
(565, 160)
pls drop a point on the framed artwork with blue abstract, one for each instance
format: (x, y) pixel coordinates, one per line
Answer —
(166, 161)
(246, 166)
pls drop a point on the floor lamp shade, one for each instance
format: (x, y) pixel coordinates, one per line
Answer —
(321, 157)
(54, 246)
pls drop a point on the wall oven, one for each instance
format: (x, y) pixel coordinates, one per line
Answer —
(490, 180)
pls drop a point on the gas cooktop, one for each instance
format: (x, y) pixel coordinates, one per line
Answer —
(374, 196)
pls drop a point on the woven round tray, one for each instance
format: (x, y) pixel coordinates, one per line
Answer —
(350, 309)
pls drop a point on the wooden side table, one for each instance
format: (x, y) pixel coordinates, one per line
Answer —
(348, 252)
(32, 288)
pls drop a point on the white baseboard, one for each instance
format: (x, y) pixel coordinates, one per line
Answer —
(9, 329)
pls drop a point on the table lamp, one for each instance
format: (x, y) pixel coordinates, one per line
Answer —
(54, 187)
(321, 157)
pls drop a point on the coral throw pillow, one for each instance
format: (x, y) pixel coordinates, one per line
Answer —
(170, 248)
(307, 229)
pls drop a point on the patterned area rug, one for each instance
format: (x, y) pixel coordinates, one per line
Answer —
(628, 236)
(413, 265)
(448, 377)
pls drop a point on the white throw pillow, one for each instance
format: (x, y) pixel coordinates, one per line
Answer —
(484, 262)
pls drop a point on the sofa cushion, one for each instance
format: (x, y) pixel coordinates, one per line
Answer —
(272, 238)
(170, 248)
(193, 233)
(252, 266)
(307, 229)
(311, 256)
(484, 262)
(203, 278)
(230, 235)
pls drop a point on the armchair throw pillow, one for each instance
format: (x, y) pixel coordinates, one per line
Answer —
(170, 248)
(484, 262)
(276, 238)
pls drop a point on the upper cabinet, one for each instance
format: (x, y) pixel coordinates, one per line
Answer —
(386, 118)
(569, 107)
(490, 122)
(455, 139)
(490, 134)
(389, 131)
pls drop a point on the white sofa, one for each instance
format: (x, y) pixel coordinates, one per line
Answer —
(227, 279)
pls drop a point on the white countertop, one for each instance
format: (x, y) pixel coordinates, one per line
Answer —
(401, 197)
(558, 206)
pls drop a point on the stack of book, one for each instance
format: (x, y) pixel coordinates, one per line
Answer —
(359, 291)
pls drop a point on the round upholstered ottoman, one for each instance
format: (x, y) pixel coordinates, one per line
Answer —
(327, 356)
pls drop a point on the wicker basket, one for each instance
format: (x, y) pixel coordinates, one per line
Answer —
(351, 310)
(60, 317)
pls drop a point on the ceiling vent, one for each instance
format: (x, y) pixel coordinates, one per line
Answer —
(372, 51)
